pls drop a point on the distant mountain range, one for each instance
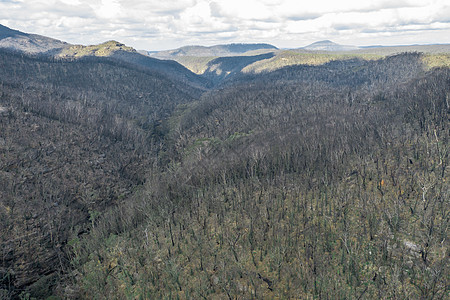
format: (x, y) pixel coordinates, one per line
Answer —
(241, 49)
(217, 50)
(329, 46)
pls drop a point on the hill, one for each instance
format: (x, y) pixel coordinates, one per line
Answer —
(168, 68)
(128, 55)
(328, 46)
(29, 43)
(103, 49)
(214, 51)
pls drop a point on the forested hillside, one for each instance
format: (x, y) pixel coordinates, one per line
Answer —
(76, 137)
(309, 181)
(328, 181)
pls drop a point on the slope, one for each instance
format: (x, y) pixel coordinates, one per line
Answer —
(309, 182)
(120, 52)
(29, 43)
(219, 69)
(76, 137)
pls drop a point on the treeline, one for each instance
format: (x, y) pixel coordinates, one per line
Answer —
(308, 182)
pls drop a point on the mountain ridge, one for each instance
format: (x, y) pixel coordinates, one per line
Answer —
(327, 45)
(233, 49)
(29, 43)
(102, 49)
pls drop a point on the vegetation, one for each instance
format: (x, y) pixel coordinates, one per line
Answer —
(267, 63)
(327, 179)
(271, 189)
(75, 138)
(437, 60)
(196, 64)
(289, 58)
(280, 59)
(104, 49)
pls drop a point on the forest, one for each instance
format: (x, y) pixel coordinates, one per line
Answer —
(324, 181)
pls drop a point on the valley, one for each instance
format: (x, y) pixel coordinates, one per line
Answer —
(224, 172)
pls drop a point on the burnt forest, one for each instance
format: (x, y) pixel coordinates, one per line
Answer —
(278, 175)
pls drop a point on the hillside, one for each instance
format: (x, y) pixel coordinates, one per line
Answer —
(215, 63)
(130, 56)
(221, 68)
(76, 137)
(311, 181)
(29, 43)
(211, 67)
(168, 68)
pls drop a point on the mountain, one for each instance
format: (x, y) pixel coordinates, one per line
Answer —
(29, 43)
(217, 50)
(128, 55)
(327, 45)
(45, 46)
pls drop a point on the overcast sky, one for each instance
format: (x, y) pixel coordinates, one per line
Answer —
(168, 24)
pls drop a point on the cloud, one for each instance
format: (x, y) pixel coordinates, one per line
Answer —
(242, 10)
(152, 25)
(303, 17)
(108, 9)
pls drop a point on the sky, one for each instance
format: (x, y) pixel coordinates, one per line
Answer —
(168, 24)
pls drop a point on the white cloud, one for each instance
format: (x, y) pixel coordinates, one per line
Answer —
(247, 10)
(71, 2)
(156, 24)
(108, 9)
